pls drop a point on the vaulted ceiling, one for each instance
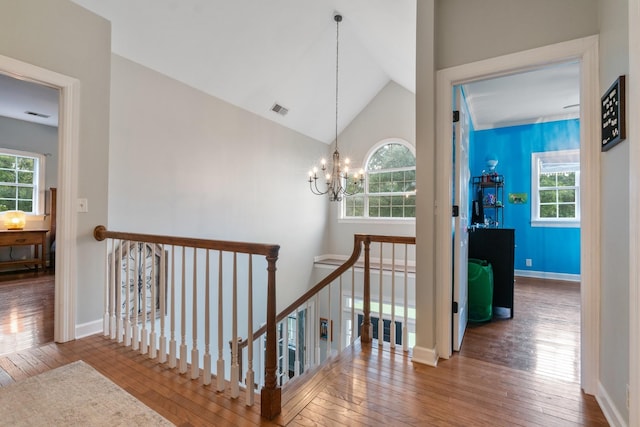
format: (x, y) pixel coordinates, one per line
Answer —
(254, 54)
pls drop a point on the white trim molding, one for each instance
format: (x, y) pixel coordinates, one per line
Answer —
(68, 137)
(89, 328)
(584, 50)
(546, 275)
(613, 416)
(633, 129)
(425, 356)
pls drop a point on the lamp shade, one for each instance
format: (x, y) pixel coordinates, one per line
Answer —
(14, 220)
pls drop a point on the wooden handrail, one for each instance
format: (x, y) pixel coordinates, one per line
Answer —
(100, 233)
(358, 240)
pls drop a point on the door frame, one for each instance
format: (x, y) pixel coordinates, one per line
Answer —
(66, 231)
(584, 50)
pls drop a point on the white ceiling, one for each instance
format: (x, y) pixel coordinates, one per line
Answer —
(19, 97)
(254, 54)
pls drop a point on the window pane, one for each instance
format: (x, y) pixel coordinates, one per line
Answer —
(26, 164)
(548, 180)
(548, 211)
(385, 212)
(548, 196)
(567, 211)
(25, 177)
(7, 205)
(566, 179)
(7, 192)
(566, 196)
(390, 156)
(7, 162)
(25, 193)
(25, 205)
(7, 176)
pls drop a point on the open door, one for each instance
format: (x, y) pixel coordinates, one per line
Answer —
(461, 217)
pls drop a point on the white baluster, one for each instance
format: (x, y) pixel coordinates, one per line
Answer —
(127, 286)
(341, 319)
(307, 337)
(296, 362)
(220, 363)
(206, 379)
(285, 351)
(172, 342)
(118, 286)
(405, 330)
(144, 343)
(392, 325)
(235, 368)
(106, 320)
(113, 288)
(195, 354)
(354, 327)
(136, 294)
(316, 333)
(250, 374)
(329, 328)
(380, 300)
(182, 368)
(162, 356)
(153, 349)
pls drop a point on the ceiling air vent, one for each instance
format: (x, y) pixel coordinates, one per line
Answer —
(32, 113)
(277, 108)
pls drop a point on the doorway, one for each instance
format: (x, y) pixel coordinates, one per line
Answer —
(585, 52)
(68, 140)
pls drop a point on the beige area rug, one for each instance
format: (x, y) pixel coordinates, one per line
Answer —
(73, 395)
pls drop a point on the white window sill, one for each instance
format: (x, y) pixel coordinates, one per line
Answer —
(386, 221)
(556, 224)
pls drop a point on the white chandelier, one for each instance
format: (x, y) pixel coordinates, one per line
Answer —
(337, 174)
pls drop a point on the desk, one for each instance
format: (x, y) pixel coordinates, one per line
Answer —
(33, 238)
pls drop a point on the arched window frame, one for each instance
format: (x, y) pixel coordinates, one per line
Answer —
(367, 194)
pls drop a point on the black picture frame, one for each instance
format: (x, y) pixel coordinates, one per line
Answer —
(613, 111)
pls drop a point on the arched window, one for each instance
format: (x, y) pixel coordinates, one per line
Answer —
(389, 189)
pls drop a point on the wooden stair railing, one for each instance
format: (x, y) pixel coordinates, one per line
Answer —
(145, 257)
(122, 323)
(366, 327)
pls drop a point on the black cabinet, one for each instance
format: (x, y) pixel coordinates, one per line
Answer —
(496, 245)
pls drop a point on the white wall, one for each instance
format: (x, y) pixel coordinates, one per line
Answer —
(469, 31)
(60, 36)
(391, 114)
(614, 323)
(184, 163)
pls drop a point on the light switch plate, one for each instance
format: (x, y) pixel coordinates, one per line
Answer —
(83, 205)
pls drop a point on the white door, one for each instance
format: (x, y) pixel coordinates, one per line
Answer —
(461, 222)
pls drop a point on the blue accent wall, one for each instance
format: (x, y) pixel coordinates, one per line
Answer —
(551, 249)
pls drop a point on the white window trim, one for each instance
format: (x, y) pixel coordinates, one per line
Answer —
(38, 202)
(535, 179)
(342, 218)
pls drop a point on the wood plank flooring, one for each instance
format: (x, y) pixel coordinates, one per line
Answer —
(518, 372)
(26, 310)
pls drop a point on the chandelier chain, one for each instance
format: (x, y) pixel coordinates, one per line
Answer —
(337, 18)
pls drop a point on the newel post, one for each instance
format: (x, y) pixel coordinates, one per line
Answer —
(270, 395)
(366, 329)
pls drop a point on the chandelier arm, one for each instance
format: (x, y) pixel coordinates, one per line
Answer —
(313, 186)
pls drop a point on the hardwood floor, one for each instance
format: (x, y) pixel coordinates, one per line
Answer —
(26, 310)
(521, 371)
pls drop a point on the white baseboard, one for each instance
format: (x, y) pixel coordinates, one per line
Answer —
(425, 356)
(551, 276)
(609, 410)
(90, 328)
